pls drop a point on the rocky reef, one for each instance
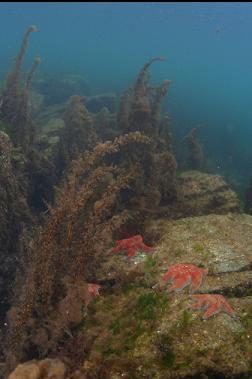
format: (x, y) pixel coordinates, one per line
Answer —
(136, 329)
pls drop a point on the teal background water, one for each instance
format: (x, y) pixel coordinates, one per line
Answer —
(209, 60)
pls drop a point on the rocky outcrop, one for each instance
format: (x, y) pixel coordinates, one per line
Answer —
(157, 332)
(57, 90)
(105, 100)
(201, 193)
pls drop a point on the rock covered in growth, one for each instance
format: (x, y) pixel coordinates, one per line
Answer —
(137, 329)
(156, 333)
(57, 90)
(201, 193)
(248, 198)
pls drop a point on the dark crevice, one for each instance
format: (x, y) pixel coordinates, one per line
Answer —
(242, 290)
(217, 375)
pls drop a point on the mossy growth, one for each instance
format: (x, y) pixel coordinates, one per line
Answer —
(179, 252)
(127, 288)
(198, 248)
(166, 354)
(242, 201)
(246, 319)
(150, 305)
(185, 321)
(151, 272)
(150, 263)
(134, 316)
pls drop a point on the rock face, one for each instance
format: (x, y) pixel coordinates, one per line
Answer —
(201, 193)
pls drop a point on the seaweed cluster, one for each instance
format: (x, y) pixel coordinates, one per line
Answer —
(139, 110)
(78, 135)
(195, 159)
(14, 100)
(14, 213)
(81, 195)
(71, 244)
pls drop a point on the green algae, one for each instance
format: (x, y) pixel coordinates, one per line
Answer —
(150, 305)
(136, 317)
(166, 356)
(127, 288)
(150, 263)
(199, 248)
(246, 319)
(185, 321)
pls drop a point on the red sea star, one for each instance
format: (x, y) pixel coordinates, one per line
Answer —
(213, 304)
(182, 275)
(131, 245)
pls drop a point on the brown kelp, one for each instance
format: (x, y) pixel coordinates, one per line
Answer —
(14, 213)
(15, 115)
(71, 244)
(14, 99)
(195, 159)
(78, 135)
(139, 110)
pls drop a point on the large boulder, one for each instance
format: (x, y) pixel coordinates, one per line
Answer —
(201, 193)
(141, 330)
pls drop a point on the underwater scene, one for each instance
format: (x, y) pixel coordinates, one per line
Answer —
(125, 190)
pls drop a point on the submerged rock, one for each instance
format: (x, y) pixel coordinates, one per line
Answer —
(201, 193)
(56, 89)
(141, 329)
(138, 329)
(96, 103)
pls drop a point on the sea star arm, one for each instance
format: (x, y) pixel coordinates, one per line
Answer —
(227, 308)
(197, 278)
(117, 249)
(168, 275)
(180, 281)
(131, 251)
(142, 247)
(199, 304)
(213, 308)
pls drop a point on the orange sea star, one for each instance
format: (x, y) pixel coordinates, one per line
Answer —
(212, 304)
(131, 245)
(182, 275)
